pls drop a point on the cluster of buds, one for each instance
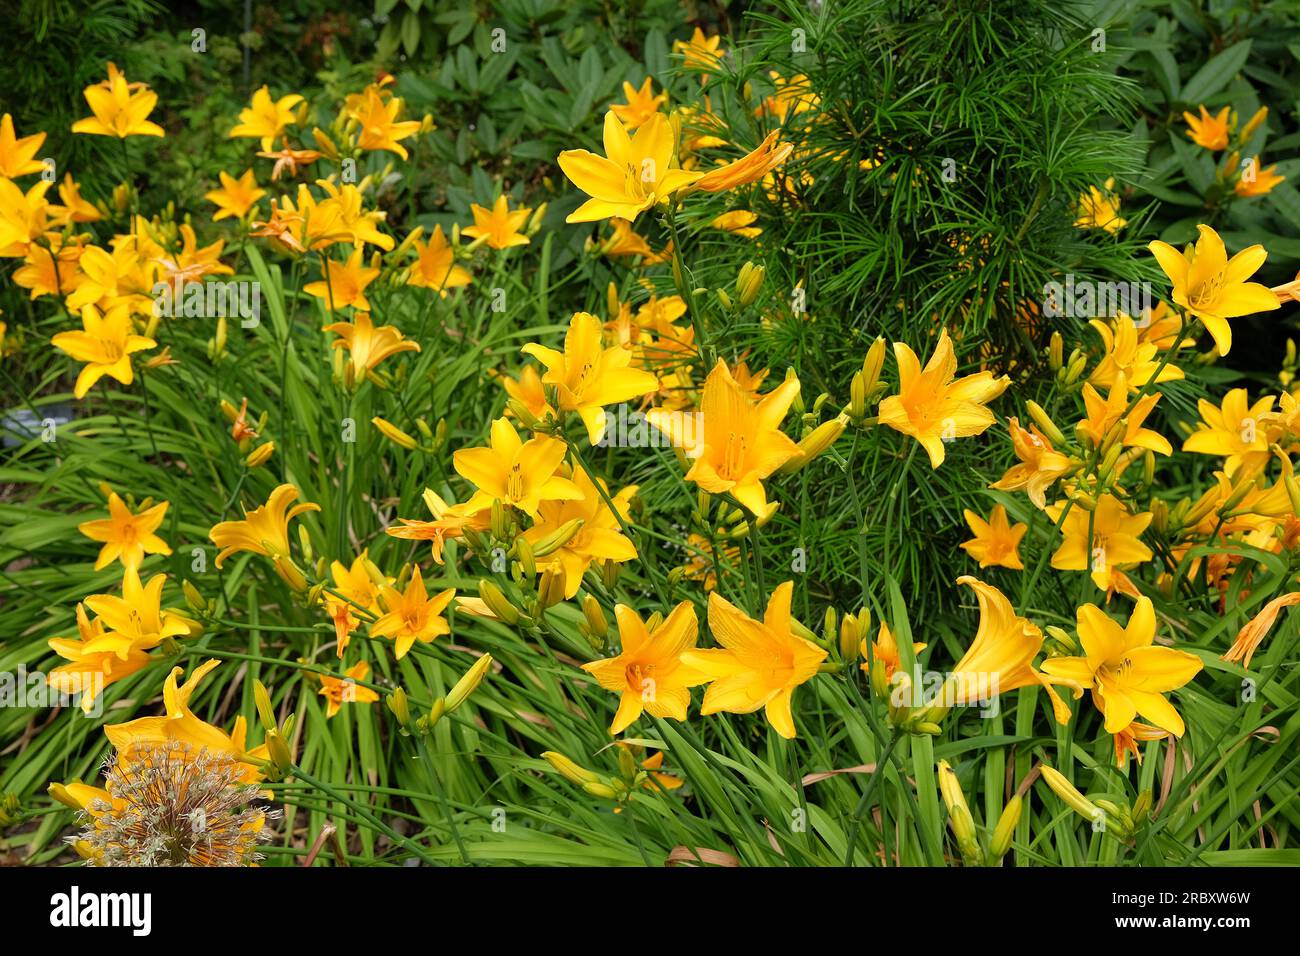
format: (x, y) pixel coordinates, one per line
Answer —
(431, 440)
(277, 735)
(1115, 818)
(866, 388)
(973, 851)
(400, 706)
(619, 789)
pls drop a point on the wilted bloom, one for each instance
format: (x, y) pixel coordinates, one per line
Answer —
(1213, 287)
(126, 535)
(759, 664)
(265, 529)
(1252, 635)
(449, 521)
(996, 541)
(265, 118)
(934, 408)
(648, 672)
(1125, 670)
(635, 172)
(750, 168)
(1040, 464)
(120, 108)
(412, 615)
(339, 691)
(105, 343)
(588, 376)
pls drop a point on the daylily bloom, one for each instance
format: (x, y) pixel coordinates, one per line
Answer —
(587, 376)
(135, 738)
(346, 690)
(120, 109)
(75, 208)
(648, 672)
(517, 473)
(742, 442)
(634, 174)
(1132, 352)
(344, 284)
(641, 104)
(265, 529)
(759, 664)
(265, 118)
(126, 535)
(739, 222)
(885, 650)
(111, 279)
(1237, 431)
(529, 391)
(367, 345)
(18, 156)
(1208, 131)
(354, 587)
(287, 160)
(378, 119)
(1105, 414)
(1040, 464)
(700, 52)
(750, 168)
(360, 226)
(499, 226)
(105, 343)
(236, 196)
(599, 538)
(1261, 181)
(412, 615)
(91, 670)
(449, 521)
(1115, 541)
(1213, 287)
(996, 541)
(52, 271)
(934, 408)
(1126, 741)
(1100, 210)
(1125, 671)
(23, 217)
(135, 621)
(435, 265)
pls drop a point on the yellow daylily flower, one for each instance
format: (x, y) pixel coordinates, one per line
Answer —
(120, 108)
(759, 664)
(884, 649)
(1236, 431)
(135, 621)
(435, 265)
(361, 227)
(412, 615)
(648, 672)
(599, 538)
(354, 587)
(640, 104)
(1261, 183)
(1040, 464)
(265, 529)
(934, 408)
(1100, 210)
(236, 196)
(739, 222)
(75, 208)
(1130, 353)
(23, 217)
(368, 345)
(136, 738)
(105, 344)
(996, 541)
(18, 156)
(1213, 287)
(91, 670)
(634, 174)
(517, 473)
(1125, 671)
(344, 284)
(126, 535)
(742, 442)
(449, 521)
(345, 690)
(265, 118)
(378, 119)
(588, 376)
(1208, 131)
(700, 52)
(1105, 414)
(499, 226)
(1115, 541)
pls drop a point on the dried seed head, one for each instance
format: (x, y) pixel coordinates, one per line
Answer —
(173, 805)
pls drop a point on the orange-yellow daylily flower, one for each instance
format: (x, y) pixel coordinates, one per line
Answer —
(135, 621)
(120, 108)
(599, 538)
(449, 521)
(499, 226)
(344, 283)
(520, 474)
(588, 376)
(378, 118)
(640, 104)
(23, 217)
(1132, 352)
(412, 615)
(884, 649)
(1213, 287)
(265, 118)
(742, 442)
(750, 168)
(934, 408)
(700, 52)
(1126, 741)
(126, 535)
(1256, 629)
(1100, 210)
(74, 208)
(91, 666)
(1260, 181)
(435, 265)
(1208, 131)
(648, 671)
(265, 529)
(997, 540)
(1115, 542)
(635, 173)
(345, 690)
(1126, 672)
(1237, 431)
(236, 196)
(354, 587)
(759, 664)
(1105, 413)
(18, 156)
(367, 345)
(135, 738)
(105, 343)
(1040, 464)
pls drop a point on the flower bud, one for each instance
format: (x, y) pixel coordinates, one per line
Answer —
(1005, 830)
(468, 683)
(394, 434)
